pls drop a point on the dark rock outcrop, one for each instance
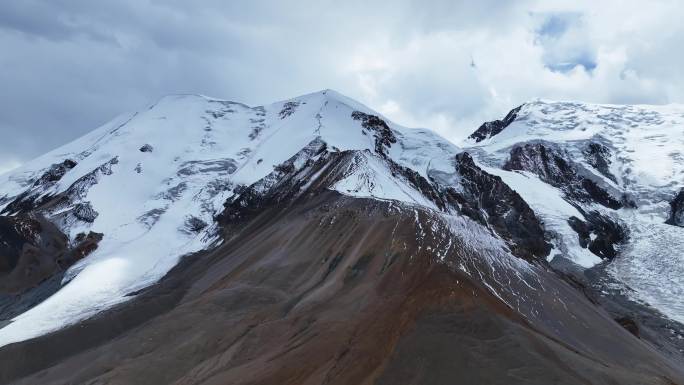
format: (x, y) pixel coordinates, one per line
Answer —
(24, 235)
(32, 197)
(384, 137)
(85, 212)
(490, 201)
(601, 235)
(289, 108)
(55, 172)
(32, 250)
(84, 244)
(598, 157)
(677, 210)
(489, 129)
(38, 200)
(285, 183)
(553, 167)
(194, 224)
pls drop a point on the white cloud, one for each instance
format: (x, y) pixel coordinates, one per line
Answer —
(445, 65)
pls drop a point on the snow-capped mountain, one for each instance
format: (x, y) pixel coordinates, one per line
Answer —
(155, 179)
(293, 233)
(618, 169)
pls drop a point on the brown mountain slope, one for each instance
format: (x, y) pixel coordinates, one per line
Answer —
(335, 290)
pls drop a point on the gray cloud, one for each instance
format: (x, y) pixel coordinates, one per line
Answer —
(70, 65)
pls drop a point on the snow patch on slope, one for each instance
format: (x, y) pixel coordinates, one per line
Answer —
(368, 176)
(548, 204)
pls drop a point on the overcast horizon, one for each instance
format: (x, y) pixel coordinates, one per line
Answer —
(70, 66)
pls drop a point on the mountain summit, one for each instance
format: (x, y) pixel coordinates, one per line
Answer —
(313, 241)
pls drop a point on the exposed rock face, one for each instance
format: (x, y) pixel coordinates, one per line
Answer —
(194, 224)
(288, 109)
(33, 249)
(384, 137)
(84, 244)
(598, 156)
(485, 199)
(599, 234)
(40, 200)
(489, 129)
(677, 210)
(285, 182)
(55, 172)
(85, 212)
(554, 168)
(146, 148)
(33, 196)
(20, 235)
(489, 200)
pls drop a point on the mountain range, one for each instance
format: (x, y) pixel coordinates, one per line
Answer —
(314, 241)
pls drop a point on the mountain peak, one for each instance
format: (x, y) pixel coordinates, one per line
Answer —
(152, 177)
(328, 96)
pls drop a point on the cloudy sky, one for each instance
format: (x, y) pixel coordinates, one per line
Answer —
(67, 66)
